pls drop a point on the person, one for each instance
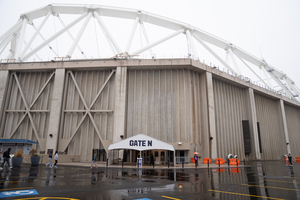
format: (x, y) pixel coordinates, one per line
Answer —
(229, 157)
(55, 158)
(50, 160)
(285, 157)
(196, 160)
(152, 159)
(6, 158)
(290, 159)
(94, 160)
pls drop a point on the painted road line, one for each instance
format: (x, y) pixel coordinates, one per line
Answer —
(15, 193)
(242, 194)
(280, 188)
(170, 197)
(16, 188)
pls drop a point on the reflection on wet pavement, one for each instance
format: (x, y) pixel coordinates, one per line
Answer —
(266, 179)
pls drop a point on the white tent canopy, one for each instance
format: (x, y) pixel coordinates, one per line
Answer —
(141, 142)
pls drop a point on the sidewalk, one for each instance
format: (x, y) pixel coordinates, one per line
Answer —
(178, 166)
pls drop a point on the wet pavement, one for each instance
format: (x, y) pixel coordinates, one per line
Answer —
(255, 180)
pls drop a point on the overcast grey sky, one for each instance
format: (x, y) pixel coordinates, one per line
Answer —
(267, 28)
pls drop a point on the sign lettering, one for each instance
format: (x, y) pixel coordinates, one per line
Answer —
(142, 143)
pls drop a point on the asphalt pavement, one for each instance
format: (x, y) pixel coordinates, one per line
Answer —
(255, 180)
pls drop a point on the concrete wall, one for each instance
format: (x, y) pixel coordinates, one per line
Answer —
(293, 124)
(173, 100)
(271, 128)
(26, 93)
(166, 104)
(230, 109)
(76, 124)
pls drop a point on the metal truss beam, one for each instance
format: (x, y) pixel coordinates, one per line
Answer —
(100, 12)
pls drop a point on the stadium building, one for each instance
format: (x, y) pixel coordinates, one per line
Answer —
(77, 106)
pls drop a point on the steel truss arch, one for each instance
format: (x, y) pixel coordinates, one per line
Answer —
(19, 48)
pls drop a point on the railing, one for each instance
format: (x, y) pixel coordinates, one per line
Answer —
(163, 160)
(180, 159)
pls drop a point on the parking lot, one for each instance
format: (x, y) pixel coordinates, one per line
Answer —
(255, 180)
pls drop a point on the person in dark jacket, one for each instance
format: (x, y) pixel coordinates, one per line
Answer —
(290, 159)
(152, 159)
(6, 158)
(56, 158)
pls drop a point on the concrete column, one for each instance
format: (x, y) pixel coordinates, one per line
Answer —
(253, 124)
(3, 84)
(211, 116)
(55, 111)
(285, 129)
(120, 105)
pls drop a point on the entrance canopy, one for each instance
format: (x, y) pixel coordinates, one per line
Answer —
(141, 142)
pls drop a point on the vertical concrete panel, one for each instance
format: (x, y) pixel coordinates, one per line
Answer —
(285, 128)
(229, 100)
(177, 126)
(252, 116)
(169, 112)
(164, 103)
(15, 123)
(144, 102)
(130, 106)
(77, 123)
(203, 119)
(55, 110)
(3, 84)
(271, 127)
(120, 103)
(211, 116)
(293, 124)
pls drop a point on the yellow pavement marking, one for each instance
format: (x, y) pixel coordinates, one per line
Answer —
(170, 197)
(16, 188)
(281, 181)
(242, 194)
(271, 187)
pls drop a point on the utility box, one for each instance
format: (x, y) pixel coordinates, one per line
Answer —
(15, 144)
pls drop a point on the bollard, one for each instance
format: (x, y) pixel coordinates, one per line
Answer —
(182, 164)
(219, 164)
(106, 162)
(208, 164)
(122, 162)
(244, 162)
(168, 163)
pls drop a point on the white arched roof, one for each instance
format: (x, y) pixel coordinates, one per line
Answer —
(22, 46)
(141, 142)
